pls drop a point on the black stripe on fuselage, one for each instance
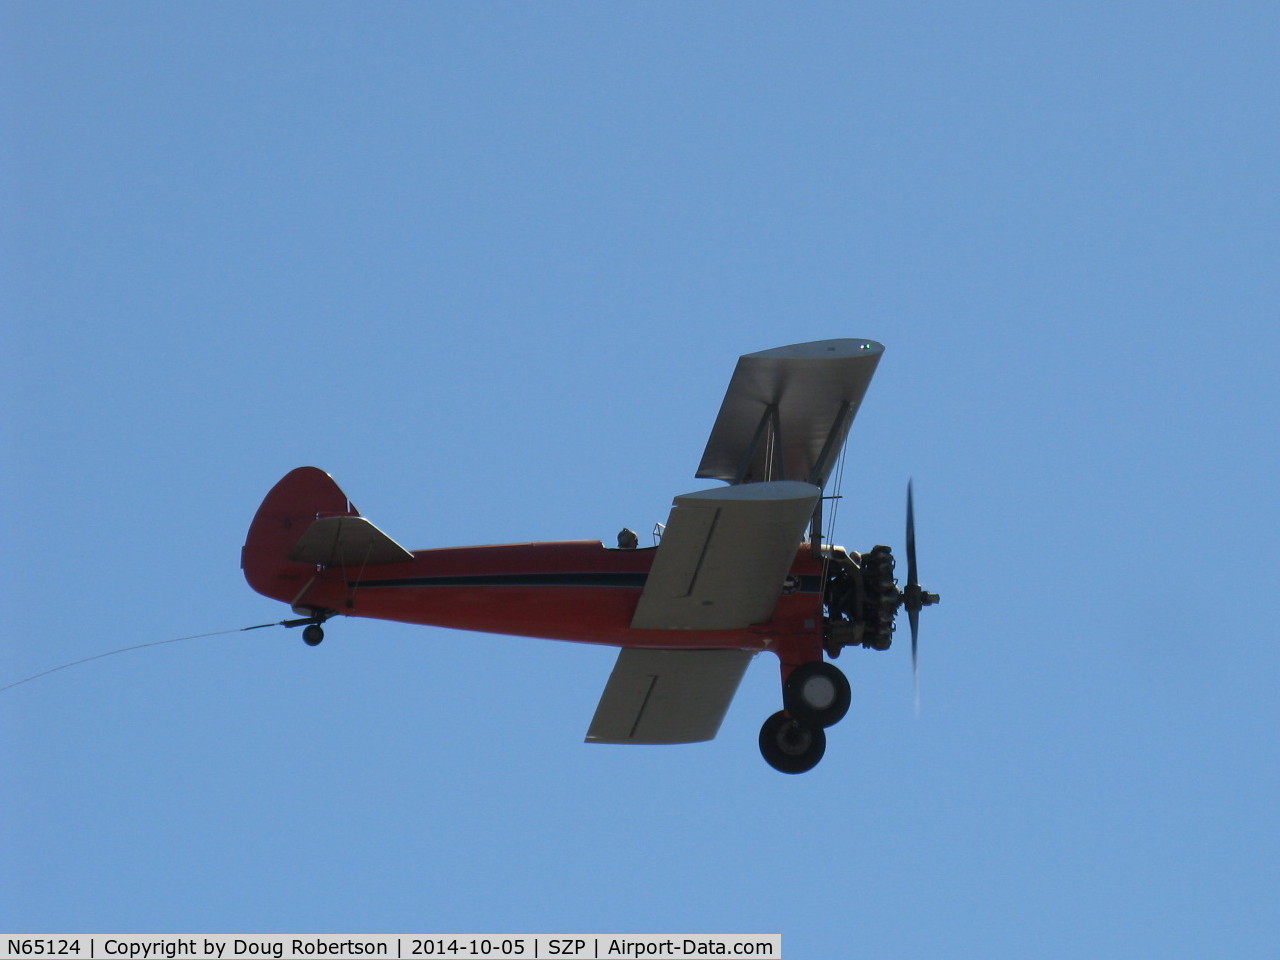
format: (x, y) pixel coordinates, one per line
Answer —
(589, 579)
(514, 580)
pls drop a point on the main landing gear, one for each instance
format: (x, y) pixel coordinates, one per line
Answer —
(816, 695)
(791, 746)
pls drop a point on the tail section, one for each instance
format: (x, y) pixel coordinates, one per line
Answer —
(270, 562)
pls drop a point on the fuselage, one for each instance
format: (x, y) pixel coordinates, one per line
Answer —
(577, 590)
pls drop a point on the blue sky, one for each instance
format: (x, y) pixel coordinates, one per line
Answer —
(491, 266)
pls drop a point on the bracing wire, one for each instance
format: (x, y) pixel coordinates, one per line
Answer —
(136, 646)
(835, 510)
(835, 505)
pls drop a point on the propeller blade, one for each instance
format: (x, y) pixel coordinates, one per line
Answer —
(911, 538)
(911, 595)
(913, 614)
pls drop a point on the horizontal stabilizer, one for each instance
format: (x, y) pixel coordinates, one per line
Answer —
(346, 542)
(667, 696)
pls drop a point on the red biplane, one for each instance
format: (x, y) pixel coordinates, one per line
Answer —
(732, 574)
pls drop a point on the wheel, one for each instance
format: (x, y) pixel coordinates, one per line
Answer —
(312, 634)
(817, 692)
(791, 746)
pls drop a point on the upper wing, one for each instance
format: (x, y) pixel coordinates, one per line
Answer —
(724, 556)
(787, 411)
(667, 696)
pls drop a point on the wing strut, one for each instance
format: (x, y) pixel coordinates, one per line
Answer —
(834, 442)
(768, 420)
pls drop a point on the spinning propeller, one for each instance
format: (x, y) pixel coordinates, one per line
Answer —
(913, 596)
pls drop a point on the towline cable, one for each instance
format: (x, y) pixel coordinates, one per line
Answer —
(152, 643)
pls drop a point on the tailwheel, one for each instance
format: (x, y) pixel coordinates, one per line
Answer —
(817, 693)
(790, 745)
(312, 632)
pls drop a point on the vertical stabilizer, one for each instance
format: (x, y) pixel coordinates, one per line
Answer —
(300, 498)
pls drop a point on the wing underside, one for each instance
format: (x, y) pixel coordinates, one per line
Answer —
(787, 412)
(667, 696)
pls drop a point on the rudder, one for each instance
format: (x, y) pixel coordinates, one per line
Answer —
(290, 508)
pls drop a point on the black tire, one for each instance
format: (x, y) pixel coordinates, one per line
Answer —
(312, 634)
(817, 693)
(791, 746)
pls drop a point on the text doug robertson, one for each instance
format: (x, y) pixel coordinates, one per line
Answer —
(191, 947)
